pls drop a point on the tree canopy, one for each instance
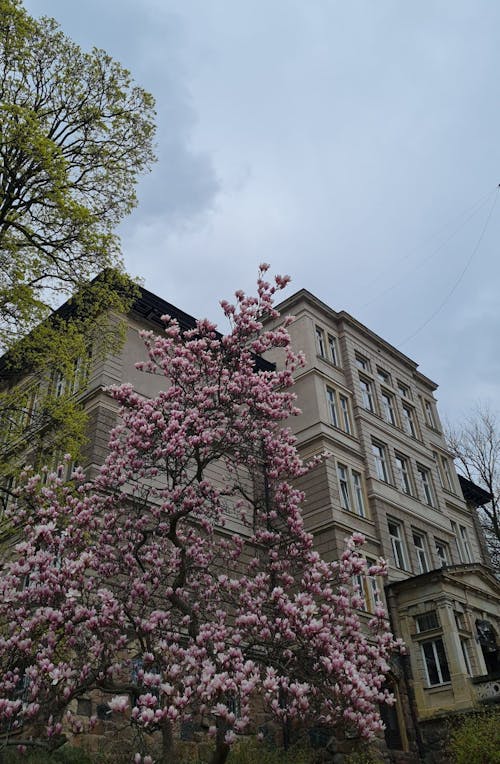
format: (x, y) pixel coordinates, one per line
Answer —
(475, 445)
(181, 583)
(75, 133)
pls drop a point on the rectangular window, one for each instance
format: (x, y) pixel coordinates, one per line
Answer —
(383, 376)
(404, 390)
(351, 490)
(332, 348)
(463, 544)
(366, 394)
(447, 477)
(359, 500)
(362, 362)
(436, 664)
(368, 589)
(409, 425)
(466, 543)
(465, 652)
(397, 544)
(424, 476)
(320, 342)
(381, 467)
(426, 621)
(344, 408)
(345, 498)
(421, 552)
(442, 553)
(338, 407)
(430, 416)
(403, 474)
(332, 405)
(388, 407)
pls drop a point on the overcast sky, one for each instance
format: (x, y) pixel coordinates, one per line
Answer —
(354, 145)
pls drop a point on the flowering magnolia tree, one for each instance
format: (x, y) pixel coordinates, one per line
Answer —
(181, 582)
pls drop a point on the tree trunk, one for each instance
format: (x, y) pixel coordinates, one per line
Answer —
(221, 747)
(167, 743)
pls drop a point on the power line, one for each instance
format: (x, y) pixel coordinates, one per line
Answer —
(474, 209)
(459, 279)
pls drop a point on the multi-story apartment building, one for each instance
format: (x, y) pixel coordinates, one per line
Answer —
(390, 476)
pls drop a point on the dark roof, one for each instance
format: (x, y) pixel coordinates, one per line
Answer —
(474, 495)
(149, 307)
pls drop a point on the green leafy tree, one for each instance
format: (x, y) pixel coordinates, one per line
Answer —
(75, 134)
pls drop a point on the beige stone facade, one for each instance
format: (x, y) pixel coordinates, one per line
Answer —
(390, 476)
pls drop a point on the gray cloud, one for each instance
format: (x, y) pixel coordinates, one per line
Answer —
(342, 142)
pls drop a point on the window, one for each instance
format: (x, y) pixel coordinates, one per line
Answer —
(463, 543)
(63, 384)
(403, 474)
(448, 481)
(358, 494)
(383, 376)
(421, 552)
(366, 394)
(368, 589)
(436, 665)
(332, 405)
(362, 362)
(430, 416)
(404, 390)
(388, 407)
(442, 552)
(332, 348)
(344, 408)
(426, 621)
(351, 490)
(444, 471)
(424, 476)
(345, 498)
(381, 467)
(397, 544)
(465, 651)
(320, 342)
(338, 406)
(409, 425)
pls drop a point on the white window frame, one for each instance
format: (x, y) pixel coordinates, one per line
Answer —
(409, 424)
(426, 487)
(346, 414)
(388, 407)
(420, 544)
(379, 452)
(320, 342)
(444, 559)
(333, 349)
(344, 487)
(331, 396)
(465, 652)
(437, 661)
(396, 537)
(404, 474)
(351, 491)
(362, 362)
(463, 542)
(404, 390)
(367, 396)
(383, 376)
(429, 413)
(359, 496)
